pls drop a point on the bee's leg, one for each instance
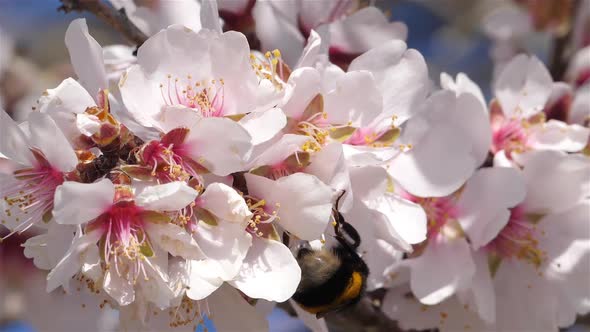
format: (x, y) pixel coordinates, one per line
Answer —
(350, 232)
(286, 238)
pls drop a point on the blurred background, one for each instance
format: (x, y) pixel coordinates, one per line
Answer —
(451, 35)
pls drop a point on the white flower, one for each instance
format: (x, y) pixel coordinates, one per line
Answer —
(134, 238)
(284, 25)
(152, 17)
(523, 90)
(40, 166)
(532, 257)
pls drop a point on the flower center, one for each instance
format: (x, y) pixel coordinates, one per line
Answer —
(207, 97)
(124, 243)
(263, 215)
(510, 136)
(517, 240)
(441, 214)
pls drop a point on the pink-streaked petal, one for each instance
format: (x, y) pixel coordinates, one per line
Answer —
(57, 150)
(86, 57)
(77, 203)
(166, 197)
(268, 262)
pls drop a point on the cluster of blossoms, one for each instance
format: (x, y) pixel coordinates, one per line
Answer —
(163, 183)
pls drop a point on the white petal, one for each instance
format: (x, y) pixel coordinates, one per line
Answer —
(408, 219)
(77, 203)
(225, 246)
(463, 84)
(47, 249)
(57, 150)
(86, 57)
(565, 237)
(263, 126)
(355, 99)
(72, 261)
(225, 203)
(276, 27)
(140, 96)
(244, 317)
(203, 279)
(523, 87)
(220, 144)
(305, 203)
(118, 288)
(269, 272)
(69, 96)
(280, 150)
(210, 16)
(303, 85)
(485, 202)
(87, 124)
(174, 240)
(166, 197)
(330, 167)
(363, 30)
(483, 289)
(441, 270)
(14, 143)
(368, 182)
(555, 181)
(556, 135)
(401, 75)
(436, 166)
(580, 109)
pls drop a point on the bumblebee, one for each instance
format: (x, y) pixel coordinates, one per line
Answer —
(332, 278)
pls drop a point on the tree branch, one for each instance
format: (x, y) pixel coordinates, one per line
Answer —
(109, 15)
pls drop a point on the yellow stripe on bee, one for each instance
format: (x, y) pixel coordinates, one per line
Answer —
(352, 291)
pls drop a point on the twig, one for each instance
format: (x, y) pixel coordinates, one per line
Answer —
(116, 19)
